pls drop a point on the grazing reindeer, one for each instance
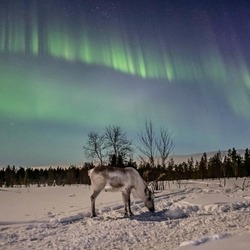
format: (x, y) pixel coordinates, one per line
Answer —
(126, 180)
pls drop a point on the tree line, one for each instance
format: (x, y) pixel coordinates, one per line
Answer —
(112, 147)
(231, 165)
(12, 176)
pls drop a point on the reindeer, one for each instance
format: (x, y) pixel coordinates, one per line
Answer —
(115, 179)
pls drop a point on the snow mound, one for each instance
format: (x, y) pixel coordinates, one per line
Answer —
(176, 213)
(70, 218)
(203, 240)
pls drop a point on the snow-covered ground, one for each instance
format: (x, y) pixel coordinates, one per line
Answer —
(196, 215)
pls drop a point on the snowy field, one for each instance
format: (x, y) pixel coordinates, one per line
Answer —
(196, 215)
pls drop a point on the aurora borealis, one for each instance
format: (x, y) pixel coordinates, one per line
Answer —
(67, 67)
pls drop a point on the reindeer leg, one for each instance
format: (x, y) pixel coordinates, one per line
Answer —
(125, 201)
(92, 198)
(129, 204)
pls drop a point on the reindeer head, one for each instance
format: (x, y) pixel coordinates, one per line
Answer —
(149, 200)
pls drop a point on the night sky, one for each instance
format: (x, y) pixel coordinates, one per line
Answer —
(69, 67)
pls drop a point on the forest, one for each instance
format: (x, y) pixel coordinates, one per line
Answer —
(232, 165)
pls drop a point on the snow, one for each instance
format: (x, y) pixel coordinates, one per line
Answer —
(198, 215)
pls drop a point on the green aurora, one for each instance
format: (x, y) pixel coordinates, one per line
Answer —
(76, 72)
(22, 34)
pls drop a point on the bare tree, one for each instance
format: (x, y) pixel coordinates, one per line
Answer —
(153, 144)
(117, 143)
(147, 139)
(95, 147)
(164, 145)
